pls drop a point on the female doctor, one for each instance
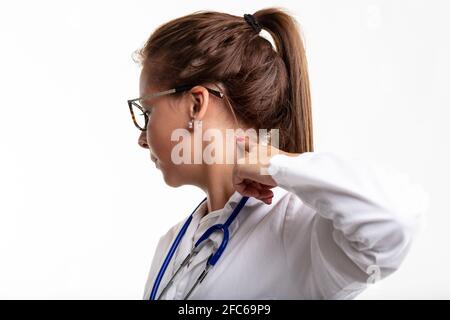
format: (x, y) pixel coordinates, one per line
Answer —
(293, 223)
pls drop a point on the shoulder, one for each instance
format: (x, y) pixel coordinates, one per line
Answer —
(172, 232)
(162, 248)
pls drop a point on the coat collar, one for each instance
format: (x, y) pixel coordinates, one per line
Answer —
(202, 221)
(221, 215)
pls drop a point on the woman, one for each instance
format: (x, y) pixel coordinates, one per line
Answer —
(307, 225)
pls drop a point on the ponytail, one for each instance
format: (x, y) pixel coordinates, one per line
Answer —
(285, 33)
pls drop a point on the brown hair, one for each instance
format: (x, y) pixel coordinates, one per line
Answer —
(267, 88)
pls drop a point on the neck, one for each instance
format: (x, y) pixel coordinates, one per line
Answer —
(218, 186)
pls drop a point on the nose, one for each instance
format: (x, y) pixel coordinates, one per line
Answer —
(142, 141)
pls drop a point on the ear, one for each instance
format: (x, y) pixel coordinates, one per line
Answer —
(200, 102)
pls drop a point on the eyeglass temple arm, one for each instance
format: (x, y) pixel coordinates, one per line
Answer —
(187, 87)
(152, 95)
(177, 89)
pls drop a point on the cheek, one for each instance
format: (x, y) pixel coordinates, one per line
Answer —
(159, 132)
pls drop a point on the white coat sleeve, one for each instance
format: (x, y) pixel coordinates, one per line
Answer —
(363, 219)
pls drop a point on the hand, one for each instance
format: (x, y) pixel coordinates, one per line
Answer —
(250, 176)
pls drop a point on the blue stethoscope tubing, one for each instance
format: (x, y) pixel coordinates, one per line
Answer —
(213, 258)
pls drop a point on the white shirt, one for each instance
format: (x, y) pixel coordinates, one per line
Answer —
(334, 225)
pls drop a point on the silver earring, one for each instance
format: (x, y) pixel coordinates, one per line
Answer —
(191, 124)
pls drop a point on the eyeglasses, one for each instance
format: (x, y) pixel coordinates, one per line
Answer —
(140, 115)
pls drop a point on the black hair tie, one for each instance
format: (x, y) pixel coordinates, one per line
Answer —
(250, 19)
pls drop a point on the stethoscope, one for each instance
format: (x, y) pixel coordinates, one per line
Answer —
(213, 258)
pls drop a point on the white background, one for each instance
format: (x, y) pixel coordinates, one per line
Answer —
(81, 205)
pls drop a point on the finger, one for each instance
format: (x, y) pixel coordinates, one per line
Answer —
(247, 188)
(244, 187)
(266, 186)
(239, 183)
(264, 193)
(267, 200)
(263, 187)
(240, 188)
(251, 192)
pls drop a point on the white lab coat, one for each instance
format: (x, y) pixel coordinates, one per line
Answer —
(334, 225)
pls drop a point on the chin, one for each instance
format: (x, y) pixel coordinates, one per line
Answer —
(171, 180)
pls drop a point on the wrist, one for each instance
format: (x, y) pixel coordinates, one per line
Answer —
(289, 154)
